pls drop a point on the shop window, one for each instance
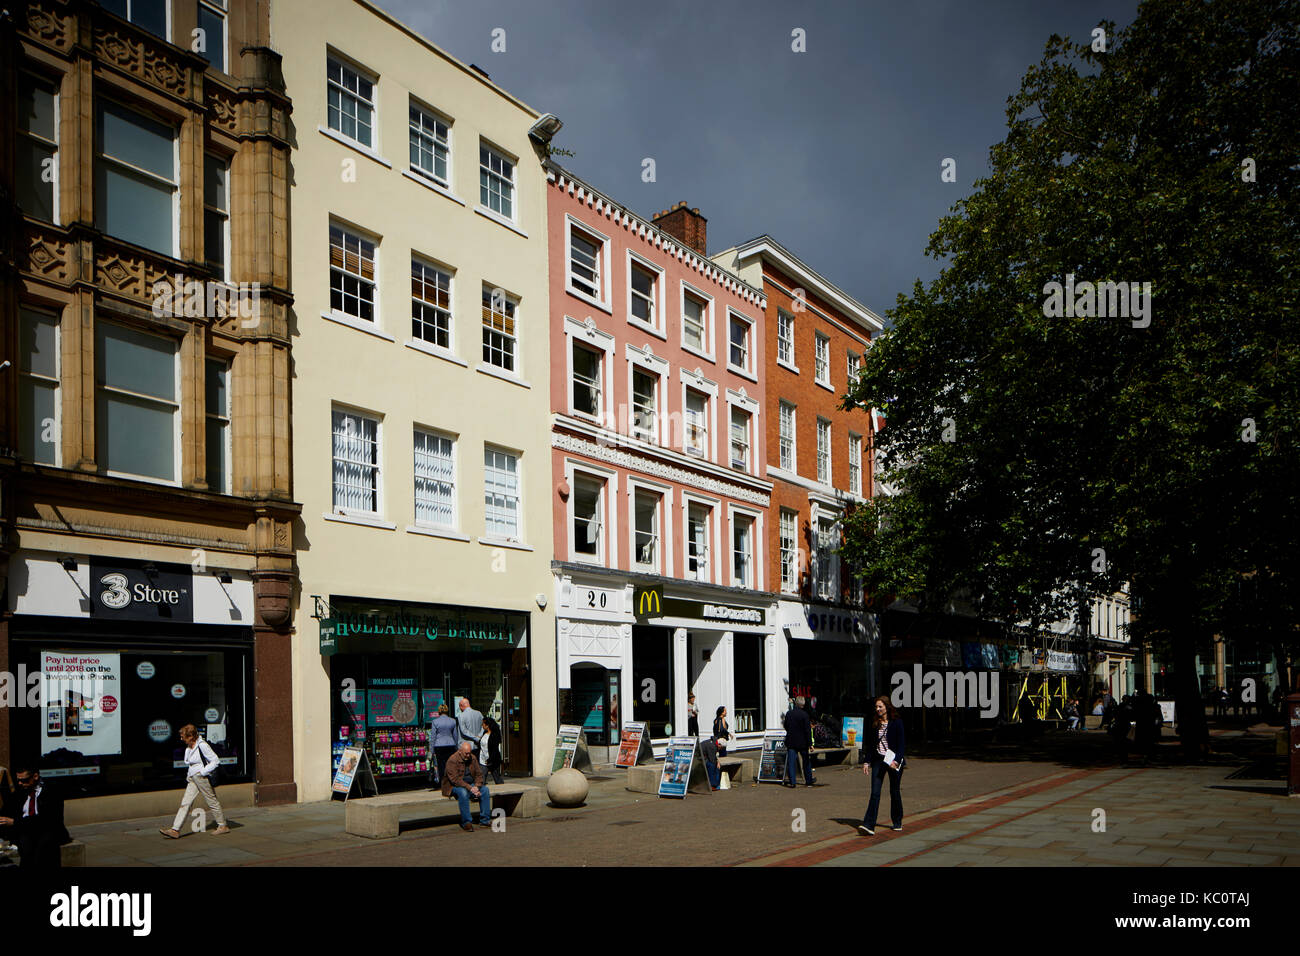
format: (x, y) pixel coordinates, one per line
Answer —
(135, 178)
(217, 407)
(38, 148)
(646, 545)
(588, 519)
(750, 686)
(38, 387)
(652, 678)
(137, 411)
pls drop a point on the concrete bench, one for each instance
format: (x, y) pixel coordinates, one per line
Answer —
(1092, 722)
(377, 818)
(73, 854)
(645, 778)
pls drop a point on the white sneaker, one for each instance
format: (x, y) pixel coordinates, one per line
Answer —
(866, 830)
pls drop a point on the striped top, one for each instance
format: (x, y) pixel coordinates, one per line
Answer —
(880, 739)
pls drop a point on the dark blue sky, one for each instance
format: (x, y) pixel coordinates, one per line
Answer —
(835, 152)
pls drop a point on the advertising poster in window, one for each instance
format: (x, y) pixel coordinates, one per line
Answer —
(83, 704)
(485, 677)
(851, 732)
(676, 775)
(431, 700)
(391, 708)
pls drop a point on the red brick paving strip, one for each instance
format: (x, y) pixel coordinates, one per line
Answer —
(854, 844)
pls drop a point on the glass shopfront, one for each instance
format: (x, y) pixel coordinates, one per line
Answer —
(397, 662)
(116, 697)
(834, 678)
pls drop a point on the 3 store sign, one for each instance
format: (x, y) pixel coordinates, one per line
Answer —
(142, 591)
(117, 595)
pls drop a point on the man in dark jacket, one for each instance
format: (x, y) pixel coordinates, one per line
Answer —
(798, 738)
(464, 779)
(33, 819)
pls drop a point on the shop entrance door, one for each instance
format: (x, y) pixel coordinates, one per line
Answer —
(516, 750)
(708, 682)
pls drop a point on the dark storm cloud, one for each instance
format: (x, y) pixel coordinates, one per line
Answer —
(836, 152)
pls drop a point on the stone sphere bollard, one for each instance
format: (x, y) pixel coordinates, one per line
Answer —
(567, 788)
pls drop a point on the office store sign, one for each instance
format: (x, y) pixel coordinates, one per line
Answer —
(141, 591)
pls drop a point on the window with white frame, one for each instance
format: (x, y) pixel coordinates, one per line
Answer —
(697, 423)
(740, 438)
(695, 322)
(430, 145)
(351, 102)
(430, 303)
(787, 434)
(137, 408)
(587, 374)
(644, 300)
(38, 386)
(785, 337)
(352, 273)
(855, 464)
(216, 213)
(38, 147)
(588, 519)
(697, 542)
(646, 507)
(823, 451)
(135, 178)
(217, 409)
(742, 551)
(356, 463)
(499, 339)
(150, 15)
(212, 21)
(828, 558)
(822, 369)
(586, 273)
(789, 532)
(645, 404)
(854, 364)
(435, 480)
(501, 493)
(738, 352)
(496, 181)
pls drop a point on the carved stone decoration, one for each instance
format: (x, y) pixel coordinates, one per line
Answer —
(127, 275)
(222, 111)
(273, 593)
(146, 60)
(46, 25)
(48, 258)
(119, 50)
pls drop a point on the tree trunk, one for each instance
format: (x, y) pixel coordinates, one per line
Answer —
(1192, 728)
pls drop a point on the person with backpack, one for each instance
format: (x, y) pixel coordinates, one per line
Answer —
(201, 762)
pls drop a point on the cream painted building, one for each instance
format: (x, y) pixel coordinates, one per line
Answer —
(421, 438)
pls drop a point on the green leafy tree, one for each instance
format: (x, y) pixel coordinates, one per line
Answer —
(1035, 452)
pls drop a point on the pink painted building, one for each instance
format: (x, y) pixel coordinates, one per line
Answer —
(660, 503)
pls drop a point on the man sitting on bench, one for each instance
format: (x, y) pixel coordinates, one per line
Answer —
(463, 779)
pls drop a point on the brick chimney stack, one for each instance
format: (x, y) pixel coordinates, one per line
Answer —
(685, 225)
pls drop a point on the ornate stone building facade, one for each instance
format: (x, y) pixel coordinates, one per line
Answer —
(146, 497)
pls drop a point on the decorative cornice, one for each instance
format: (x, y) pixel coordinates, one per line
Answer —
(660, 469)
(638, 227)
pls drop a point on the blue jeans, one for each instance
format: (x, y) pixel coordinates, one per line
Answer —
(792, 758)
(462, 796)
(715, 774)
(878, 771)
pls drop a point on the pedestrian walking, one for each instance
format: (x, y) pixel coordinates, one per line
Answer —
(489, 747)
(32, 817)
(888, 758)
(464, 779)
(201, 761)
(798, 738)
(692, 716)
(471, 723)
(444, 738)
(721, 732)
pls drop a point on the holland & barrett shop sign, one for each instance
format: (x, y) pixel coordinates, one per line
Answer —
(360, 627)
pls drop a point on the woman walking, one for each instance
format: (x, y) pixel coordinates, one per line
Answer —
(200, 762)
(720, 731)
(444, 738)
(887, 757)
(489, 747)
